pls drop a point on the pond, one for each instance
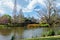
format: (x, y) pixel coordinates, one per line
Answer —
(7, 34)
(20, 33)
(5, 37)
(33, 33)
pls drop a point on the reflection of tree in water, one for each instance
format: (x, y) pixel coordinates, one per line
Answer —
(5, 31)
(17, 33)
(12, 38)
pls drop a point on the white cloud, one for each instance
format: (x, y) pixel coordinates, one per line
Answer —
(31, 5)
(29, 8)
(2, 12)
(57, 4)
(41, 2)
(28, 1)
(9, 4)
(0, 3)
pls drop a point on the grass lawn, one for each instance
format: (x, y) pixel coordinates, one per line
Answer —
(46, 38)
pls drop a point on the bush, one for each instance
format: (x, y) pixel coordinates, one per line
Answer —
(48, 33)
(44, 25)
(51, 33)
(33, 26)
(15, 25)
(3, 26)
(58, 32)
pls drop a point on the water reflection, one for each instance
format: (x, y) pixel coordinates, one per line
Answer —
(20, 33)
(33, 33)
(5, 37)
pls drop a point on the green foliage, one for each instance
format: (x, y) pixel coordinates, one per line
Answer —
(44, 25)
(44, 39)
(48, 33)
(15, 25)
(58, 32)
(6, 17)
(3, 26)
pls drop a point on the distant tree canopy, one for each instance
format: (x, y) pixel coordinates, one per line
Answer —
(5, 19)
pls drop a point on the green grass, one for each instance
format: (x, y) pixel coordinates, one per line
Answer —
(45, 38)
(3, 26)
(44, 25)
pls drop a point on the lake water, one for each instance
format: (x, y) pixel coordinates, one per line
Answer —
(25, 34)
(28, 33)
(32, 33)
(5, 37)
(21, 33)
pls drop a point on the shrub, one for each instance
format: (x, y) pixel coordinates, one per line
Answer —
(33, 26)
(44, 25)
(44, 34)
(58, 32)
(3, 26)
(48, 33)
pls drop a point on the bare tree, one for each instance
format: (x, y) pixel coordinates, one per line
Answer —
(51, 10)
(15, 11)
(20, 16)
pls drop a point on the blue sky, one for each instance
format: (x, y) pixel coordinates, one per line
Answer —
(29, 7)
